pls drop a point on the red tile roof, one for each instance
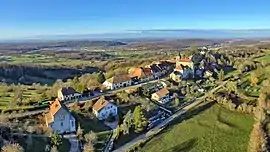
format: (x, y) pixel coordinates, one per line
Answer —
(140, 72)
(185, 60)
(100, 104)
(161, 93)
(179, 68)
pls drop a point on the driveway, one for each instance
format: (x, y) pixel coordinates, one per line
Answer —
(74, 143)
(112, 125)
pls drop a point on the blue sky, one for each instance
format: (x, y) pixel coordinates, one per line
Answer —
(26, 18)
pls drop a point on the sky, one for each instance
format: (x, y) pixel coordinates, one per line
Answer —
(28, 18)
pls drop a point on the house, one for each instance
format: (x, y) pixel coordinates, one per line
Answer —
(141, 74)
(184, 71)
(103, 109)
(166, 66)
(161, 96)
(156, 70)
(68, 93)
(59, 119)
(118, 81)
(185, 62)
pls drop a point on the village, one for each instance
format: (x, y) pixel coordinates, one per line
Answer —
(127, 105)
(155, 83)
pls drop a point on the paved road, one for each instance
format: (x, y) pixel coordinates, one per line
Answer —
(161, 126)
(109, 144)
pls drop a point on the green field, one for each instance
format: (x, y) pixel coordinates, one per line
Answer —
(213, 130)
(29, 94)
(42, 60)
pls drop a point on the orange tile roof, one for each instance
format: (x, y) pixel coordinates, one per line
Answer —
(54, 107)
(179, 68)
(136, 72)
(147, 72)
(162, 92)
(100, 104)
(172, 61)
(140, 72)
(185, 60)
(49, 118)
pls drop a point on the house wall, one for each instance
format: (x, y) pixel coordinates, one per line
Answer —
(120, 85)
(68, 97)
(162, 100)
(157, 74)
(63, 122)
(60, 95)
(106, 111)
(155, 97)
(147, 78)
(108, 85)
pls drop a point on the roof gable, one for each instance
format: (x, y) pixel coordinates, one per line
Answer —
(68, 91)
(56, 106)
(100, 104)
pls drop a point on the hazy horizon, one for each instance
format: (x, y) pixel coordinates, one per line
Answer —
(31, 18)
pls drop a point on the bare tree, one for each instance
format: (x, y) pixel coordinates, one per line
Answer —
(91, 137)
(88, 147)
(12, 148)
(54, 149)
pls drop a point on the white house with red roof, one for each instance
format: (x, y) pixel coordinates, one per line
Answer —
(104, 108)
(162, 96)
(59, 119)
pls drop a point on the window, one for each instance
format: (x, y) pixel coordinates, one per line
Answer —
(62, 124)
(62, 117)
(72, 123)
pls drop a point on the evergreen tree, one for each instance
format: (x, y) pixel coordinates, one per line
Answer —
(101, 77)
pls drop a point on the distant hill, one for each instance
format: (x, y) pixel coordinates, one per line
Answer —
(32, 46)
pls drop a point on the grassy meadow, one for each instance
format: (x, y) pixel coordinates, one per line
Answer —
(213, 130)
(42, 60)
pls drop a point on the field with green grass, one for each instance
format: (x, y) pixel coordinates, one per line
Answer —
(42, 60)
(212, 130)
(29, 94)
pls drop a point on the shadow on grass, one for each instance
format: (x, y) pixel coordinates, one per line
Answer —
(185, 146)
(191, 113)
